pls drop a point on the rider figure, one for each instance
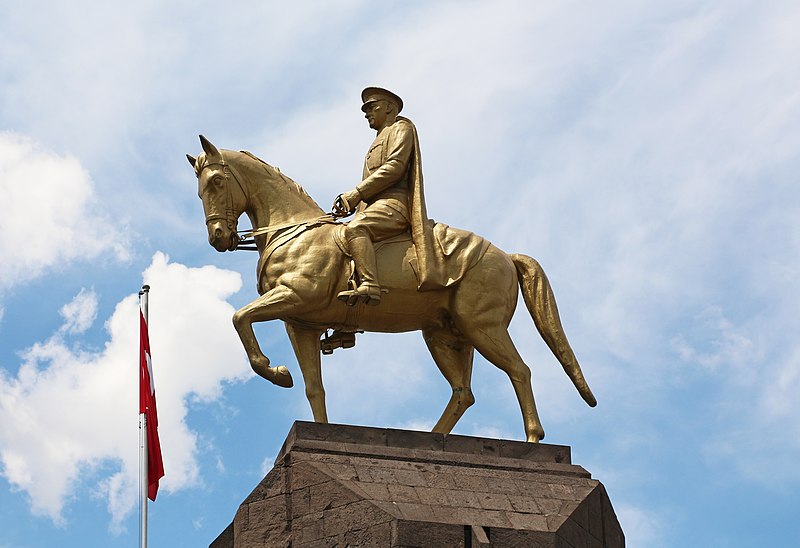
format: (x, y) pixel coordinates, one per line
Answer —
(381, 199)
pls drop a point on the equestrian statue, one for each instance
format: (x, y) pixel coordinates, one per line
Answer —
(390, 269)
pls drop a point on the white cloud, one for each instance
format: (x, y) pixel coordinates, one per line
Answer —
(267, 464)
(642, 527)
(79, 314)
(763, 408)
(68, 411)
(52, 218)
(724, 344)
(489, 431)
(421, 425)
(780, 391)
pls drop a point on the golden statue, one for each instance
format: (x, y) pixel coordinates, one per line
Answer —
(389, 199)
(454, 286)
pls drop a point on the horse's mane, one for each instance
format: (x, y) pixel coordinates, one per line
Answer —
(244, 158)
(276, 172)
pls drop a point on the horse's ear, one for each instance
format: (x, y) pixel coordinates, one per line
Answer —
(210, 149)
(192, 160)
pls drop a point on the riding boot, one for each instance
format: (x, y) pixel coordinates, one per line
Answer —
(368, 291)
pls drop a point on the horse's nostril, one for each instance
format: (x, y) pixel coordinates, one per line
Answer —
(217, 233)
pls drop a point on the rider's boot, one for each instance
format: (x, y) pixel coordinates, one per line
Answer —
(369, 291)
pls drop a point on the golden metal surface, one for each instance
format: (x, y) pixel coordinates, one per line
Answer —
(461, 300)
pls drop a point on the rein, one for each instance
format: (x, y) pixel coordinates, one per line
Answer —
(247, 237)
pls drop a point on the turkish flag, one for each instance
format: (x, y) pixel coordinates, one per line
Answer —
(147, 405)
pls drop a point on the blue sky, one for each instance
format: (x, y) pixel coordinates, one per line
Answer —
(645, 153)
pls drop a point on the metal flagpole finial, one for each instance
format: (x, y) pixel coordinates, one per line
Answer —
(145, 289)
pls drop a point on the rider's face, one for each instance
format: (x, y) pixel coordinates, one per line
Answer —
(376, 113)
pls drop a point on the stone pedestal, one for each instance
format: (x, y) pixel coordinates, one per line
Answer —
(349, 486)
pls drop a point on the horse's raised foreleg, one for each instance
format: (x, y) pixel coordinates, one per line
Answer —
(306, 347)
(453, 357)
(276, 303)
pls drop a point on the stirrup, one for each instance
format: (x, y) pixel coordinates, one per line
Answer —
(368, 293)
(338, 339)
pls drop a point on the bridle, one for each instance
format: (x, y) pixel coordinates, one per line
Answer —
(229, 216)
(245, 239)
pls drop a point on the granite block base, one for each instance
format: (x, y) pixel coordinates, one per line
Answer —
(351, 486)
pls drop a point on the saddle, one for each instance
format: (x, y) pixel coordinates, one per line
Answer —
(400, 249)
(396, 261)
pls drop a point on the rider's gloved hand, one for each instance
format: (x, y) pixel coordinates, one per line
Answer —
(346, 203)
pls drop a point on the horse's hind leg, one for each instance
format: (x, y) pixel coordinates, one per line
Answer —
(482, 308)
(453, 357)
(306, 347)
(495, 344)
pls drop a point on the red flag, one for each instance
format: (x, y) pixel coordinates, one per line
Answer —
(147, 405)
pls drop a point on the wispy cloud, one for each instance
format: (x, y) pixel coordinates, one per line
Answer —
(79, 314)
(724, 344)
(642, 527)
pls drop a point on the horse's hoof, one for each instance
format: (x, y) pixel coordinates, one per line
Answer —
(535, 437)
(282, 377)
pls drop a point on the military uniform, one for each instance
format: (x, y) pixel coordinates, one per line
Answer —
(390, 201)
(384, 189)
(384, 193)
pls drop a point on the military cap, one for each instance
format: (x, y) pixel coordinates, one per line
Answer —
(372, 94)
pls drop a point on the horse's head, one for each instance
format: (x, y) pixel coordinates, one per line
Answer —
(221, 192)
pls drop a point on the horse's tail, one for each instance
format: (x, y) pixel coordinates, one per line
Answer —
(542, 306)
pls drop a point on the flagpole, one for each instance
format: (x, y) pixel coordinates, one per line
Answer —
(143, 299)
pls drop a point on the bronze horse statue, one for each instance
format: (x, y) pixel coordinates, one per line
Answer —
(301, 269)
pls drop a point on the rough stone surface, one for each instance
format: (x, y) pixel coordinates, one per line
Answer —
(348, 486)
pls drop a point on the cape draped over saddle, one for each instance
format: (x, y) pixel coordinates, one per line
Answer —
(443, 254)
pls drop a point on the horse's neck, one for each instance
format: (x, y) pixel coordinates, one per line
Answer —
(272, 200)
(270, 208)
